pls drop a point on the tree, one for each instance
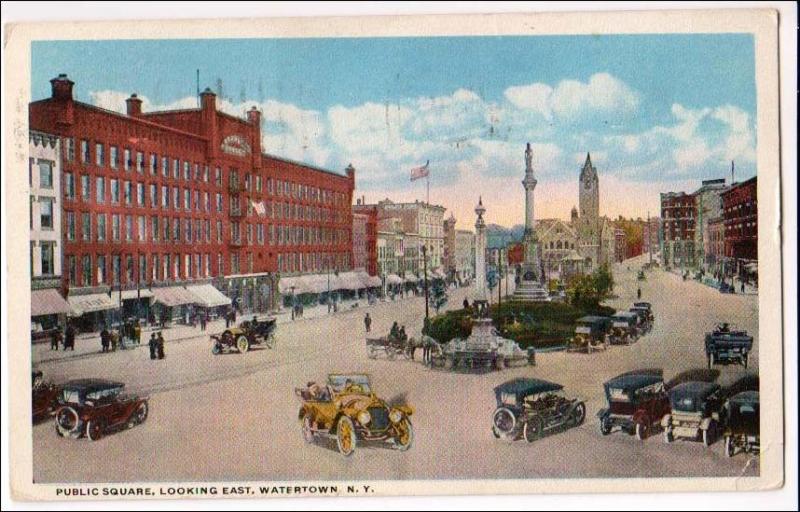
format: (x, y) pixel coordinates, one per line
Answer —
(438, 295)
(603, 281)
(583, 293)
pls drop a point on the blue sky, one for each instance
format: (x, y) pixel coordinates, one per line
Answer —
(657, 112)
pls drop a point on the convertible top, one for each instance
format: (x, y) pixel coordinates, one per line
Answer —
(90, 385)
(642, 305)
(592, 319)
(525, 387)
(632, 381)
(693, 389)
(745, 397)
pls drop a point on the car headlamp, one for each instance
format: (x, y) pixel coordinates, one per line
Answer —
(395, 416)
(364, 417)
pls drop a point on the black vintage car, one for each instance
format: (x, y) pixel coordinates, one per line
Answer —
(590, 333)
(624, 328)
(636, 402)
(531, 407)
(643, 323)
(741, 423)
(646, 306)
(726, 345)
(246, 334)
(695, 412)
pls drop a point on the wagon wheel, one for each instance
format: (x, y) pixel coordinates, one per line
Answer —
(605, 425)
(139, 415)
(577, 415)
(242, 343)
(95, 429)
(405, 435)
(216, 348)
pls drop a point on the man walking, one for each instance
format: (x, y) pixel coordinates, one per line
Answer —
(160, 345)
(367, 322)
(153, 344)
(105, 338)
(69, 338)
(639, 293)
(202, 321)
(466, 304)
(55, 339)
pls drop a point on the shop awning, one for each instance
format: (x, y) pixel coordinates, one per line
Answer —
(144, 293)
(48, 302)
(394, 279)
(92, 302)
(411, 279)
(374, 282)
(349, 281)
(171, 296)
(208, 296)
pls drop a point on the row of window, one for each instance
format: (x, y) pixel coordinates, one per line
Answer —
(45, 213)
(313, 262)
(155, 163)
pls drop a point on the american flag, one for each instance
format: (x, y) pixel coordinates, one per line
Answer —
(420, 172)
(259, 208)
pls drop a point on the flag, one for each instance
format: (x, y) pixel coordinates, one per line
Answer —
(420, 172)
(259, 207)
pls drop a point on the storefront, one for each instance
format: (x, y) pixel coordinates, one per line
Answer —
(214, 303)
(48, 312)
(137, 303)
(251, 293)
(173, 303)
(91, 311)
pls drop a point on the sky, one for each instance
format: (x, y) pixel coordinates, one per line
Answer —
(657, 112)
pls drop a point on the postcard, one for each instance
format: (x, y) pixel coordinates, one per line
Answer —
(429, 255)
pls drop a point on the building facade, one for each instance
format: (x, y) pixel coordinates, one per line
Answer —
(449, 252)
(360, 248)
(740, 216)
(44, 177)
(708, 202)
(678, 230)
(595, 234)
(157, 199)
(422, 224)
(556, 239)
(465, 255)
(620, 247)
(715, 245)
(371, 233)
(651, 241)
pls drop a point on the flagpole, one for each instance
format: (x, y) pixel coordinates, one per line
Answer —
(428, 188)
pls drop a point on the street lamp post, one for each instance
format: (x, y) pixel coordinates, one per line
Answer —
(293, 304)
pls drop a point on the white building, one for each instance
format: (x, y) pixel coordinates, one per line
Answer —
(465, 254)
(422, 225)
(44, 175)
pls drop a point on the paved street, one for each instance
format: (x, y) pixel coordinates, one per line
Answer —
(233, 417)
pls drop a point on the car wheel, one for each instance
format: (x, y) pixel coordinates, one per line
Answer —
(95, 430)
(533, 429)
(405, 435)
(577, 415)
(709, 434)
(139, 415)
(710, 361)
(308, 431)
(346, 436)
(642, 431)
(729, 448)
(504, 423)
(605, 425)
(668, 436)
(216, 349)
(68, 422)
(242, 343)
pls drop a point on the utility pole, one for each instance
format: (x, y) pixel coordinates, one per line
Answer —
(425, 275)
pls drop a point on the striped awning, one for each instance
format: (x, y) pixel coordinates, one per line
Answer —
(172, 296)
(92, 302)
(48, 302)
(208, 296)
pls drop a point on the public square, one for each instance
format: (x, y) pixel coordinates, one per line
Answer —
(234, 416)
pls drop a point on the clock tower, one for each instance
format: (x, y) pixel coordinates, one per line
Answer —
(589, 192)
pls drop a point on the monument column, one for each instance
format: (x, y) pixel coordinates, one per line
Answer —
(480, 254)
(529, 183)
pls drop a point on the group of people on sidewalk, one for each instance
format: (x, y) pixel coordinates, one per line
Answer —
(156, 345)
(68, 338)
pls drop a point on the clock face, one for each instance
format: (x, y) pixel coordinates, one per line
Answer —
(587, 183)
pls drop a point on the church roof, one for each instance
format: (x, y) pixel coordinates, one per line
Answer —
(588, 167)
(548, 226)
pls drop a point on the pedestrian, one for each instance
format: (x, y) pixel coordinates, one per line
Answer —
(638, 293)
(466, 304)
(160, 345)
(742, 286)
(137, 332)
(394, 332)
(104, 339)
(202, 322)
(233, 316)
(69, 338)
(426, 350)
(367, 322)
(56, 339)
(227, 319)
(153, 344)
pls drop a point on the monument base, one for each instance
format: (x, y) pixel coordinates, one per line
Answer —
(529, 288)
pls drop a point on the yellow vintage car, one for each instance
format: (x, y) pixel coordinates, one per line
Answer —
(346, 409)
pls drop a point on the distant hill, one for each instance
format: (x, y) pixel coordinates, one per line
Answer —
(500, 236)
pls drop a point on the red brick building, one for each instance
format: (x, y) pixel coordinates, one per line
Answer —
(371, 238)
(740, 216)
(678, 216)
(185, 195)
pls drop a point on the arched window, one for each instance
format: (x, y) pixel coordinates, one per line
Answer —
(558, 245)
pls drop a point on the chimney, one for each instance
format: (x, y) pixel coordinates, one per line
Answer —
(254, 118)
(62, 87)
(208, 120)
(208, 100)
(134, 105)
(351, 172)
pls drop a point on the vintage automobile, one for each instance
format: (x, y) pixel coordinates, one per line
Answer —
(245, 335)
(590, 333)
(636, 402)
(726, 288)
(531, 407)
(45, 396)
(741, 423)
(695, 412)
(93, 407)
(727, 345)
(647, 306)
(643, 323)
(346, 409)
(640, 276)
(623, 328)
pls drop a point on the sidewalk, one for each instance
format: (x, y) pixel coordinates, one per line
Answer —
(713, 283)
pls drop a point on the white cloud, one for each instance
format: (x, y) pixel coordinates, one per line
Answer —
(603, 93)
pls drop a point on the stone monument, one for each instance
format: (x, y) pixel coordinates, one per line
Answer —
(530, 285)
(479, 297)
